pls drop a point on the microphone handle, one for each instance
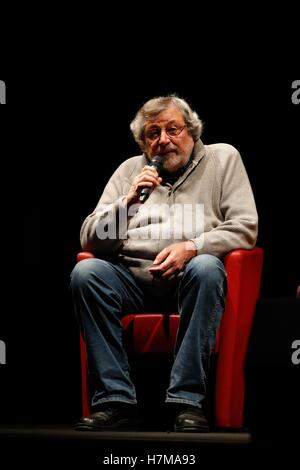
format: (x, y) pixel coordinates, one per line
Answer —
(157, 162)
(144, 194)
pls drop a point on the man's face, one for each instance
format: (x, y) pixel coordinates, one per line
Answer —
(161, 138)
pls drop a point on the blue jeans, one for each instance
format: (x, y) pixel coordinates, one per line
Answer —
(103, 292)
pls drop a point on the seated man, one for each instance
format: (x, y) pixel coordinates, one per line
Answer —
(161, 227)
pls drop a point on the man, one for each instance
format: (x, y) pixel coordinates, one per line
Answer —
(168, 247)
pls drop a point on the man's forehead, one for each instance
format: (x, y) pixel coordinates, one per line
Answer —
(171, 113)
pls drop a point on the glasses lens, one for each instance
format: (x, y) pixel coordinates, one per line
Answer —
(155, 132)
(173, 131)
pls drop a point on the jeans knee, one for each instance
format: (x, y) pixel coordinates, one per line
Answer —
(85, 271)
(207, 268)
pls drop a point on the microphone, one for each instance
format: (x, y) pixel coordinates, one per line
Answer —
(157, 162)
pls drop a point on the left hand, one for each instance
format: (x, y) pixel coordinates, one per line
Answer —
(172, 259)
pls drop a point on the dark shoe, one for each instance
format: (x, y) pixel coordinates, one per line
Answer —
(109, 419)
(191, 420)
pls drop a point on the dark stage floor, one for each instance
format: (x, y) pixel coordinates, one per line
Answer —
(39, 432)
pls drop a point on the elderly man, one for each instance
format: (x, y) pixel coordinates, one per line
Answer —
(165, 247)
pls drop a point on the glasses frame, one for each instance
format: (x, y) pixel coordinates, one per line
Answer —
(152, 139)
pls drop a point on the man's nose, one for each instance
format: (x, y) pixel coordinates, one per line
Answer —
(164, 138)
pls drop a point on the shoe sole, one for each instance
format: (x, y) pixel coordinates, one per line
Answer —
(190, 429)
(122, 425)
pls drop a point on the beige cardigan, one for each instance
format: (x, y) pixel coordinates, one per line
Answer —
(211, 203)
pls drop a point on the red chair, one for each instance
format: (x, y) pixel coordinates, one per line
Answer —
(156, 333)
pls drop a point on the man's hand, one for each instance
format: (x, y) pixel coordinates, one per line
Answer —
(147, 177)
(172, 259)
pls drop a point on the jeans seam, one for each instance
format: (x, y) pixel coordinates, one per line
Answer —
(183, 400)
(114, 398)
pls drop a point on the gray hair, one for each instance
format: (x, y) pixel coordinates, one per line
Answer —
(155, 106)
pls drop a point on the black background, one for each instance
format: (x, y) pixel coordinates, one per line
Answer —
(64, 130)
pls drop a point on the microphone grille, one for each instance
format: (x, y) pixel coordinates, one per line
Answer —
(157, 161)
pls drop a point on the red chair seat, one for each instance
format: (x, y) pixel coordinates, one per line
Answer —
(156, 333)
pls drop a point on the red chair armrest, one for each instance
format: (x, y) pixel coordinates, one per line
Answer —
(84, 255)
(244, 269)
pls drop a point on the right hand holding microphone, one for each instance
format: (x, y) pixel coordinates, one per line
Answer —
(147, 178)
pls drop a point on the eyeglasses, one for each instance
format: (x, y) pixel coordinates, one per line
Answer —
(155, 132)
